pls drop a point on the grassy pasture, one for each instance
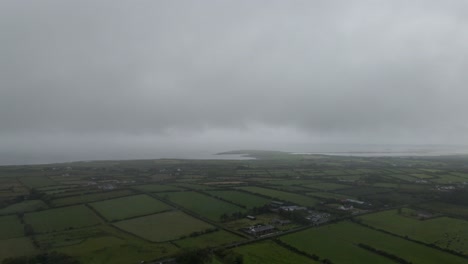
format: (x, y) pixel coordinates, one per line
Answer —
(444, 232)
(257, 173)
(422, 176)
(201, 204)
(129, 206)
(50, 241)
(102, 250)
(449, 179)
(291, 182)
(310, 173)
(197, 187)
(156, 188)
(385, 185)
(460, 174)
(363, 191)
(10, 227)
(404, 177)
(445, 208)
(270, 252)
(285, 196)
(208, 240)
(61, 219)
(246, 199)
(22, 207)
(335, 172)
(21, 246)
(79, 191)
(164, 226)
(327, 186)
(282, 173)
(56, 189)
(330, 195)
(338, 242)
(86, 198)
(37, 181)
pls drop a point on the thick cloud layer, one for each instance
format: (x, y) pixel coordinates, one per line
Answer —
(172, 74)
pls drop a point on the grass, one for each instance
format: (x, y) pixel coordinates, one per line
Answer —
(246, 199)
(129, 206)
(37, 181)
(164, 226)
(114, 250)
(23, 207)
(327, 186)
(197, 187)
(270, 252)
(156, 188)
(445, 208)
(280, 195)
(339, 243)
(86, 198)
(449, 179)
(15, 247)
(201, 204)
(61, 219)
(329, 195)
(59, 239)
(444, 232)
(213, 239)
(10, 227)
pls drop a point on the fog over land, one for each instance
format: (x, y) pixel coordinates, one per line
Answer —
(151, 79)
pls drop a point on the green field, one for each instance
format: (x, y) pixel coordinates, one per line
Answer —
(280, 195)
(327, 186)
(212, 239)
(23, 207)
(108, 212)
(61, 219)
(21, 246)
(129, 206)
(86, 198)
(271, 253)
(329, 195)
(444, 232)
(197, 187)
(102, 250)
(37, 181)
(10, 227)
(164, 226)
(156, 188)
(449, 179)
(201, 204)
(68, 237)
(246, 199)
(290, 182)
(445, 208)
(339, 243)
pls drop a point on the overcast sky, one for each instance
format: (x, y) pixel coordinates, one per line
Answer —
(124, 79)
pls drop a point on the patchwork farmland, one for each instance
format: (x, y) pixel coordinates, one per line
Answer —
(279, 208)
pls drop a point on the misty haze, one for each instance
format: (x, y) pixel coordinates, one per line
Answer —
(259, 131)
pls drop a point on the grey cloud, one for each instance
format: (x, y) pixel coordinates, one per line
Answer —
(360, 71)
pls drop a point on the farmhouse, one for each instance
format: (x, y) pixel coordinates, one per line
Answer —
(280, 222)
(353, 201)
(260, 230)
(292, 208)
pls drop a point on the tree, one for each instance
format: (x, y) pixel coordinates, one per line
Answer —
(194, 256)
(45, 258)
